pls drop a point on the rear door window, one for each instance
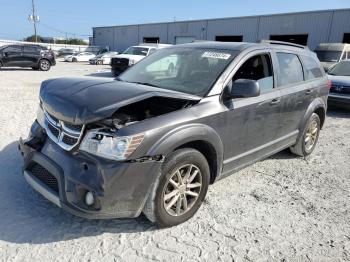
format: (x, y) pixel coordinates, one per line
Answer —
(30, 49)
(312, 68)
(13, 49)
(289, 69)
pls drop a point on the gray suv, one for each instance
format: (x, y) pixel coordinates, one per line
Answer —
(154, 139)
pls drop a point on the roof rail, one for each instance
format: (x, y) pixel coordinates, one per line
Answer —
(273, 42)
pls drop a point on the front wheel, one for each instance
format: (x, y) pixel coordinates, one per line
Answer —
(44, 65)
(307, 142)
(180, 190)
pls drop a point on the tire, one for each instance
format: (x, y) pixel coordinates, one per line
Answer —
(74, 60)
(165, 212)
(44, 65)
(310, 134)
(98, 62)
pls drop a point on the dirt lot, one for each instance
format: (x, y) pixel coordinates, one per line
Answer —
(280, 209)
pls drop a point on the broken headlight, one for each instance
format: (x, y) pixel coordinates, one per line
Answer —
(110, 146)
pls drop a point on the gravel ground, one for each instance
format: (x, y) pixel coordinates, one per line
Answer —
(280, 209)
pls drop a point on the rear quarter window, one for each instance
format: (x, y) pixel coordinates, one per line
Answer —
(312, 68)
(289, 69)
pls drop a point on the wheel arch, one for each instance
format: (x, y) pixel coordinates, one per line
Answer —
(197, 136)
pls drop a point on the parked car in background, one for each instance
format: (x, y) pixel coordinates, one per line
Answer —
(331, 53)
(79, 57)
(144, 143)
(339, 75)
(133, 55)
(35, 56)
(103, 59)
(65, 51)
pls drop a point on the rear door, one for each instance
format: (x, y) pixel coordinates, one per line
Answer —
(12, 55)
(296, 93)
(31, 55)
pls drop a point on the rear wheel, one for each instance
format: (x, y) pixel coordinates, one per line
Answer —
(180, 188)
(74, 60)
(44, 65)
(99, 62)
(309, 138)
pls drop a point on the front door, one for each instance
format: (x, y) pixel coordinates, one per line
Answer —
(251, 122)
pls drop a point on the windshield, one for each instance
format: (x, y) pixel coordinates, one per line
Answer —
(340, 69)
(133, 50)
(188, 70)
(328, 56)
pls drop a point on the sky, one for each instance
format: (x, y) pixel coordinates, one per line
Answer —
(77, 17)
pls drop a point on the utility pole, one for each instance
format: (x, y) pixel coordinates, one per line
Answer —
(34, 21)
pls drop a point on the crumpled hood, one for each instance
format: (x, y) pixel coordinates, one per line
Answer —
(339, 80)
(85, 100)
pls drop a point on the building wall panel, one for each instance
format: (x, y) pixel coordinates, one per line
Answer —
(340, 25)
(316, 25)
(247, 27)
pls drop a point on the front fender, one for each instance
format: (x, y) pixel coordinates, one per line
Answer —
(186, 134)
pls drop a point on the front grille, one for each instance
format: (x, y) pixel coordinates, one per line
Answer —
(69, 140)
(76, 128)
(120, 63)
(42, 174)
(339, 89)
(65, 134)
(54, 130)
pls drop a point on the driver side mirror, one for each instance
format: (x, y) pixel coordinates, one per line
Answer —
(243, 88)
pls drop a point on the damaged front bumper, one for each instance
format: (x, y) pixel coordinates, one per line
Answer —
(120, 188)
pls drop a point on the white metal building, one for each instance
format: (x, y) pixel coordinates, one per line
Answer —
(307, 28)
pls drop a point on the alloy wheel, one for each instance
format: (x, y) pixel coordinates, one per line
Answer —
(44, 65)
(182, 190)
(311, 135)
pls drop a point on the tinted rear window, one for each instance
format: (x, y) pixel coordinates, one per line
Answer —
(290, 70)
(312, 68)
(30, 49)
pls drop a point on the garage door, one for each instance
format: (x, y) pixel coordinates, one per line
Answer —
(184, 39)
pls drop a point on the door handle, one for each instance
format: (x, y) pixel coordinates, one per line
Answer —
(275, 101)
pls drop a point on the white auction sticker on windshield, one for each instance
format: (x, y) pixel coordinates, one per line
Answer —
(216, 55)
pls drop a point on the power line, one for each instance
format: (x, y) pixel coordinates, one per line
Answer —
(61, 31)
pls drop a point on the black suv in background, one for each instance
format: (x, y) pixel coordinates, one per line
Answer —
(34, 56)
(153, 140)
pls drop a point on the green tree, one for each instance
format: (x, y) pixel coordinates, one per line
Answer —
(71, 41)
(32, 39)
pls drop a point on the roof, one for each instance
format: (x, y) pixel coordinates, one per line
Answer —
(239, 46)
